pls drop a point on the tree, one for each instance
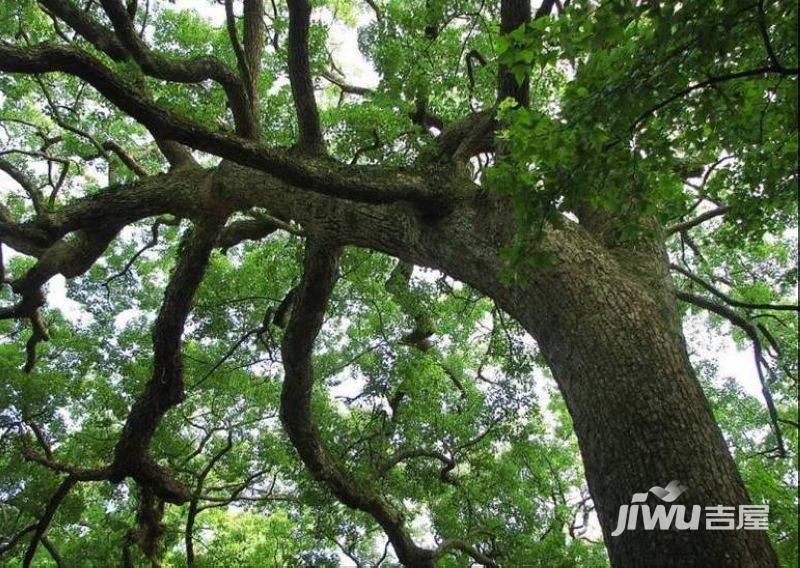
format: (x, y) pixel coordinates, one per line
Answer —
(584, 171)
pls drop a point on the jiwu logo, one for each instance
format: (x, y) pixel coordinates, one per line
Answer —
(660, 516)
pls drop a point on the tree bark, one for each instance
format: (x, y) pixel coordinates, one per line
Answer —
(607, 324)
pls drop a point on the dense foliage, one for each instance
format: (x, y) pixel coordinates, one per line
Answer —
(427, 391)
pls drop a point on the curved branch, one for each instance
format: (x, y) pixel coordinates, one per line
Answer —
(187, 71)
(448, 463)
(166, 387)
(79, 474)
(25, 183)
(752, 333)
(471, 551)
(362, 183)
(346, 87)
(760, 72)
(245, 229)
(127, 44)
(320, 269)
(147, 246)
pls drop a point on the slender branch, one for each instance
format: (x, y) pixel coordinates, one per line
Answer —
(125, 157)
(15, 538)
(248, 55)
(147, 246)
(193, 503)
(238, 49)
(685, 225)
(375, 8)
(54, 554)
(25, 183)
(79, 474)
(727, 299)
(47, 516)
(752, 333)
(405, 455)
(102, 147)
(763, 29)
(471, 551)
(759, 72)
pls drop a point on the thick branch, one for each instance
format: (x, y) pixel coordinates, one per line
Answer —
(246, 229)
(166, 388)
(320, 271)
(345, 86)
(188, 71)
(254, 36)
(127, 44)
(302, 82)
(513, 14)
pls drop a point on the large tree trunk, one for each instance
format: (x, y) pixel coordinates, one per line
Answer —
(606, 320)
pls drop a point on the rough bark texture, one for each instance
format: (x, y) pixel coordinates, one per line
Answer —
(615, 347)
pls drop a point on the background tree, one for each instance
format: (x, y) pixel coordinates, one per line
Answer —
(258, 366)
